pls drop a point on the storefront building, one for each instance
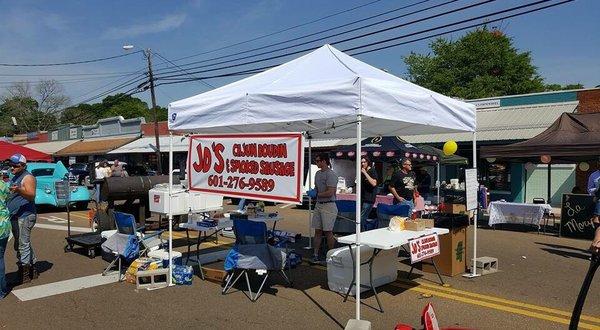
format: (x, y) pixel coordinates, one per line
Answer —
(509, 119)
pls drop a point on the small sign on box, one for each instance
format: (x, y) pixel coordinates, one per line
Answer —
(424, 247)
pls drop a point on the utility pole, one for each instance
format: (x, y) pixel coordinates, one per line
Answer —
(148, 54)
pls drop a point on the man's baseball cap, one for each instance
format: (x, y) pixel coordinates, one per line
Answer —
(17, 159)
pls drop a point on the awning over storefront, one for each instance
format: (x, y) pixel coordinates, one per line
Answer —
(148, 145)
(505, 123)
(50, 147)
(571, 138)
(8, 149)
(97, 146)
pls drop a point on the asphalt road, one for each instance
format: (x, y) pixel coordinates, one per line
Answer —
(536, 288)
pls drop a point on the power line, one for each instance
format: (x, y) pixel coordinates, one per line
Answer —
(108, 74)
(184, 70)
(336, 34)
(280, 31)
(327, 30)
(72, 63)
(256, 70)
(322, 38)
(465, 27)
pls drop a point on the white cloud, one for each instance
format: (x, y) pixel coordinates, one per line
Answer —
(168, 23)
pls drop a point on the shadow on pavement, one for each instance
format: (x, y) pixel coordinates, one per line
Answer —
(565, 251)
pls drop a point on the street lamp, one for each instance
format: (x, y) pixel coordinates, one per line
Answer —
(148, 55)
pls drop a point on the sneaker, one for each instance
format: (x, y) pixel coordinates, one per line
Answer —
(315, 260)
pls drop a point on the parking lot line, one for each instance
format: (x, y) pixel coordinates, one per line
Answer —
(75, 284)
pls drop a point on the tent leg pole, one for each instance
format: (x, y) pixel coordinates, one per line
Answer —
(475, 216)
(549, 199)
(438, 183)
(358, 206)
(310, 212)
(170, 211)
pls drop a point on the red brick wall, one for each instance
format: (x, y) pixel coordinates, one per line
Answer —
(589, 101)
(148, 128)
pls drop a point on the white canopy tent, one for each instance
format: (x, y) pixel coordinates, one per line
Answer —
(326, 94)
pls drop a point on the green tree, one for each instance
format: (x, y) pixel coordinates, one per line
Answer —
(558, 87)
(482, 63)
(82, 114)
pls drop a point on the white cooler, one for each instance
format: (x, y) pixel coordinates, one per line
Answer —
(339, 268)
(181, 200)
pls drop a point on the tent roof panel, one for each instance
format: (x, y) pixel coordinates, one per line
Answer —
(321, 92)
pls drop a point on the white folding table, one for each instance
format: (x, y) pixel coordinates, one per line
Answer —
(383, 239)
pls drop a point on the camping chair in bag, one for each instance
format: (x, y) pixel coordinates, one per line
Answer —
(252, 253)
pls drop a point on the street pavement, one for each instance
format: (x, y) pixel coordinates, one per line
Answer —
(536, 288)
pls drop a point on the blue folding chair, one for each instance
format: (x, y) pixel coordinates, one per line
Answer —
(252, 253)
(137, 243)
(345, 222)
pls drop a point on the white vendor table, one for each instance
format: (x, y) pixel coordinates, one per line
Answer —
(521, 213)
(385, 239)
(213, 230)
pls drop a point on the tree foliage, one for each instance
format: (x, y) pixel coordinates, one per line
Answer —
(35, 108)
(482, 63)
(558, 87)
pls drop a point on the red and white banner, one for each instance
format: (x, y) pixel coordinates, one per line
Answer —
(424, 247)
(264, 166)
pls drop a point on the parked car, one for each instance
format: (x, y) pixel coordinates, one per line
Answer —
(46, 174)
(78, 172)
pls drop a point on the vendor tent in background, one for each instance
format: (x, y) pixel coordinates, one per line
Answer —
(326, 94)
(8, 149)
(385, 148)
(572, 138)
(443, 158)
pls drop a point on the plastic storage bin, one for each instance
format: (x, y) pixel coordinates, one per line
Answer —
(340, 270)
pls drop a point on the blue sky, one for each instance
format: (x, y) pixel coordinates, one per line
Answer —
(563, 40)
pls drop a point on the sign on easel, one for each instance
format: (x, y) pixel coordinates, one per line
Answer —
(424, 247)
(263, 166)
(471, 186)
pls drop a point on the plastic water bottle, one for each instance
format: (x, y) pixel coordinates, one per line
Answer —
(190, 216)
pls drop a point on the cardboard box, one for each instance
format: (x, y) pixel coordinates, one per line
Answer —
(418, 224)
(454, 208)
(452, 259)
(214, 275)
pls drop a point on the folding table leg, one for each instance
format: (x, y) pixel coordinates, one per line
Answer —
(437, 271)
(189, 245)
(375, 253)
(353, 282)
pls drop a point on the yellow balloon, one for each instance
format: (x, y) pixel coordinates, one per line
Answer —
(450, 148)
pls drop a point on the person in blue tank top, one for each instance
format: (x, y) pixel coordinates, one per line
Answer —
(21, 204)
